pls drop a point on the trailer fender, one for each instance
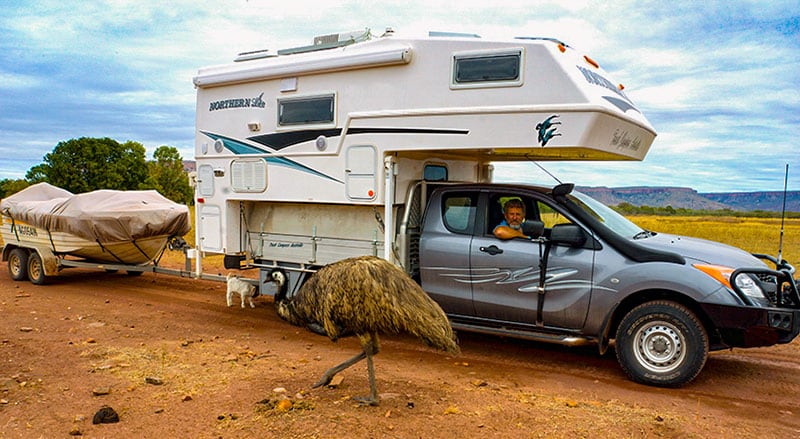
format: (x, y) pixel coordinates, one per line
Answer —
(49, 260)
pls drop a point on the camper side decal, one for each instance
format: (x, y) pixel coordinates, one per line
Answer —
(547, 130)
(623, 103)
(278, 141)
(238, 147)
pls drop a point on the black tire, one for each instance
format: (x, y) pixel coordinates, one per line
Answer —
(661, 343)
(18, 264)
(36, 269)
(134, 273)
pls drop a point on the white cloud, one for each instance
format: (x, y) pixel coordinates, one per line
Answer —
(719, 82)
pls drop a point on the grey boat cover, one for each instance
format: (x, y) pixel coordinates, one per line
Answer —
(103, 216)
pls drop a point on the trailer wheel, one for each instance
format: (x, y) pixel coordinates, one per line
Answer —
(661, 343)
(134, 273)
(18, 264)
(36, 269)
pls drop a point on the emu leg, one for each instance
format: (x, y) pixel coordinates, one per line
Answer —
(330, 373)
(371, 348)
(372, 399)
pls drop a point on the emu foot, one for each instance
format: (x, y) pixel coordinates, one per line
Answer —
(367, 401)
(316, 328)
(324, 381)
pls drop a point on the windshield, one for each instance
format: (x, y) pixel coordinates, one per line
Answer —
(608, 216)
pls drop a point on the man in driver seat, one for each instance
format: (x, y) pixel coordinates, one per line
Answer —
(511, 226)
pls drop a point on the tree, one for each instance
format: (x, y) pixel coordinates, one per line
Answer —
(166, 175)
(87, 164)
(11, 187)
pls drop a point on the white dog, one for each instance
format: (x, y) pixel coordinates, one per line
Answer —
(245, 290)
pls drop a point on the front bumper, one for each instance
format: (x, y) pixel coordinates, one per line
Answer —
(748, 327)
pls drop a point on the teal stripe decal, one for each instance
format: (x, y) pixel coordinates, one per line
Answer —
(238, 147)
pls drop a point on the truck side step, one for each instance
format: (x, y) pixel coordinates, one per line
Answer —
(561, 339)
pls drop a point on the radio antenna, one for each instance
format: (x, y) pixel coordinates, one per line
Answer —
(783, 214)
(545, 170)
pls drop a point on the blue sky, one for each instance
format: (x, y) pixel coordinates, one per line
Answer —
(720, 81)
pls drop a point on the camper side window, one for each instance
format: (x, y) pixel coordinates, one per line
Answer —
(310, 110)
(487, 68)
(434, 173)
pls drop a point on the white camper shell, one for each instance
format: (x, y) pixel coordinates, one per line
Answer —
(307, 156)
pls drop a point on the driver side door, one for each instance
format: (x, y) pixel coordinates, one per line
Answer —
(505, 274)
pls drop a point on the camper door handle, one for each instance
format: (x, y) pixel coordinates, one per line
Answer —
(492, 250)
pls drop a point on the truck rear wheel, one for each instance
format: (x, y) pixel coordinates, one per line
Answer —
(36, 269)
(18, 264)
(661, 343)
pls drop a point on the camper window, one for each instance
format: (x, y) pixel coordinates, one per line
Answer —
(434, 173)
(309, 110)
(487, 68)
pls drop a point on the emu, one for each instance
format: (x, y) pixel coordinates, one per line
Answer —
(364, 296)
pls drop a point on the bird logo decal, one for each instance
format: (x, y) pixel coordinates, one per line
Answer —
(546, 129)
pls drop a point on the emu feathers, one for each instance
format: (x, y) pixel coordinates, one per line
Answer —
(366, 296)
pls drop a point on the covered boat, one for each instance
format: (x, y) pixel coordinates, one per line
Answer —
(125, 227)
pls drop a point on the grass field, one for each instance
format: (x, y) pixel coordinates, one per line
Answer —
(756, 235)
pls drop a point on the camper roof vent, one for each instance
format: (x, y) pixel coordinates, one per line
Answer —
(331, 41)
(255, 54)
(439, 34)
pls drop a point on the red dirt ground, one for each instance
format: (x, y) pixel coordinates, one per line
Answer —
(173, 360)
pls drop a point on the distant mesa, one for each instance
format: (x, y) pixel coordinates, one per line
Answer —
(688, 198)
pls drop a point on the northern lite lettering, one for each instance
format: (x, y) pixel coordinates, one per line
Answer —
(225, 104)
(598, 79)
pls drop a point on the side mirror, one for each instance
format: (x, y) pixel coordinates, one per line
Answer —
(563, 189)
(567, 234)
(533, 229)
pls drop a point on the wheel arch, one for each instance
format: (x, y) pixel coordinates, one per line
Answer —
(8, 248)
(632, 301)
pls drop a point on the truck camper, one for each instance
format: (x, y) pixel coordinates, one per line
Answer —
(383, 145)
(310, 155)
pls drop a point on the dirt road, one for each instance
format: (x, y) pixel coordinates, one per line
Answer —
(173, 360)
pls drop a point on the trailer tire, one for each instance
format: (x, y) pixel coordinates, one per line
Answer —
(36, 269)
(134, 273)
(18, 264)
(661, 343)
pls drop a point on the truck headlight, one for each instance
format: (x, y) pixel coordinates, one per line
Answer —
(749, 286)
(745, 282)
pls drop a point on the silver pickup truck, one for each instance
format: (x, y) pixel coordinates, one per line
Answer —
(586, 275)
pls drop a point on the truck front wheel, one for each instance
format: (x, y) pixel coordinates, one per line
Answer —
(661, 343)
(18, 264)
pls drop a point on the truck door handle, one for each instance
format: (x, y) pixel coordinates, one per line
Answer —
(492, 250)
